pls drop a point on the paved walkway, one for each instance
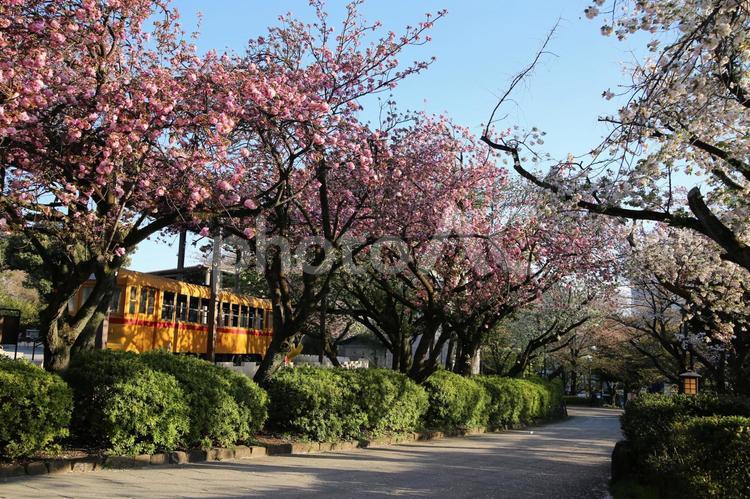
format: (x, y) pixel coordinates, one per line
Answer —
(567, 459)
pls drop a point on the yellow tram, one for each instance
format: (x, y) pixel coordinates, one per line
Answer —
(150, 312)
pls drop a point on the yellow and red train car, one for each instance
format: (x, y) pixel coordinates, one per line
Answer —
(149, 312)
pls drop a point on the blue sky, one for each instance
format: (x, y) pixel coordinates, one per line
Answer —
(479, 47)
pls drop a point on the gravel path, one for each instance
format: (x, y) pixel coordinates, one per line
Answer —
(566, 459)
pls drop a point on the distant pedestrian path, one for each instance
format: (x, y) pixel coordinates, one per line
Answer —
(566, 459)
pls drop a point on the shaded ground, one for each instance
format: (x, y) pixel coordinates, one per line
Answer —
(567, 459)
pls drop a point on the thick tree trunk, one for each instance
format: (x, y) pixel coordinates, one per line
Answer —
(62, 333)
(424, 363)
(466, 357)
(286, 320)
(404, 352)
(87, 339)
(274, 359)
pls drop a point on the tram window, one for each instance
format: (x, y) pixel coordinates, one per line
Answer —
(259, 314)
(195, 306)
(167, 306)
(133, 299)
(225, 314)
(204, 311)
(148, 296)
(181, 307)
(243, 316)
(114, 303)
(235, 315)
(251, 321)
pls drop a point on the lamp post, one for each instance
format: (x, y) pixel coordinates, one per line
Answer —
(689, 382)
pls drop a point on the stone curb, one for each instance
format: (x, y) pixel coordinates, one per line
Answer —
(95, 463)
(295, 448)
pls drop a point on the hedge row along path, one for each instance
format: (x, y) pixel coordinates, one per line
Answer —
(565, 459)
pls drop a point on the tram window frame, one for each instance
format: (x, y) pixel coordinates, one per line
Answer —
(225, 309)
(261, 318)
(194, 308)
(204, 311)
(244, 316)
(235, 310)
(181, 314)
(168, 304)
(147, 301)
(251, 318)
(114, 302)
(133, 300)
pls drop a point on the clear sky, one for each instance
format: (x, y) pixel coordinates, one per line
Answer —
(479, 46)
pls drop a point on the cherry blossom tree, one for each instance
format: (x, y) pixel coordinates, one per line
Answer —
(545, 326)
(701, 303)
(319, 172)
(685, 116)
(501, 248)
(539, 251)
(111, 129)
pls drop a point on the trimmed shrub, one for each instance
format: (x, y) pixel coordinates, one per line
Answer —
(329, 404)
(225, 407)
(551, 398)
(705, 457)
(514, 401)
(314, 403)
(456, 402)
(122, 405)
(252, 401)
(392, 402)
(648, 420)
(505, 401)
(690, 446)
(35, 409)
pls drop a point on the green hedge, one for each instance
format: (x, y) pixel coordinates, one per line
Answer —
(130, 403)
(649, 418)
(392, 402)
(707, 457)
(123, 406)
(456, 402)
(35, 409)
(225, 407)
(330, 404)
(687, 446)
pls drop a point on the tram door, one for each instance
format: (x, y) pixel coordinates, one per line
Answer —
(165, 330)
(146, 319)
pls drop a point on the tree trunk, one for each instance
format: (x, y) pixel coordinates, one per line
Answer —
(61, 331)
(573, 382)
(87, 339)
(423, 364)
(466, 357)
(450, 357)
(285, 324)
(274, 358)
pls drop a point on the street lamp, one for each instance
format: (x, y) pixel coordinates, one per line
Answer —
(689, 382)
